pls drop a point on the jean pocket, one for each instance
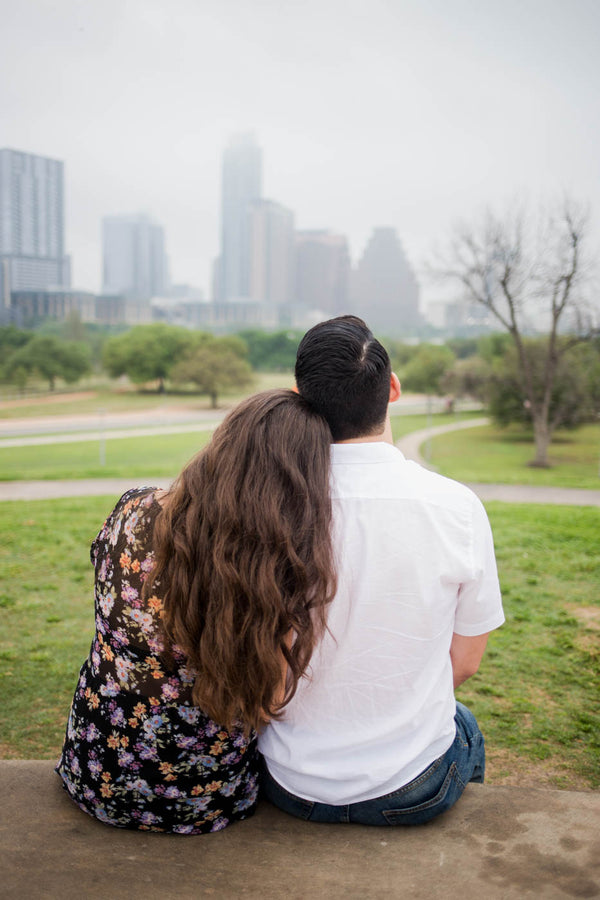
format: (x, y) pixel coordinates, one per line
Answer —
(419, 813)
(289, 803)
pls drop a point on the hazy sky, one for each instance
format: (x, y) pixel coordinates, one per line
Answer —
(369, 112)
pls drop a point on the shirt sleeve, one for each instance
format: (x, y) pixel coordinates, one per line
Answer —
(479, 606)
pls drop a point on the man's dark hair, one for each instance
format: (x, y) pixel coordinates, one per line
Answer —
(344, 373)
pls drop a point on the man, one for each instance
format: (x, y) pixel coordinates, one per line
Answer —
(374, 734)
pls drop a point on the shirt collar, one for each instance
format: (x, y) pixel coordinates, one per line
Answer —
(367, 452)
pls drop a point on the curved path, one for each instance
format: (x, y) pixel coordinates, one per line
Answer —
(410, 445)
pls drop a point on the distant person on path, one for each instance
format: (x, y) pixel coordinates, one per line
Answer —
(199, 591)
(374, 734)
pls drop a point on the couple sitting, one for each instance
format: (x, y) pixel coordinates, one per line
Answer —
(314, 601)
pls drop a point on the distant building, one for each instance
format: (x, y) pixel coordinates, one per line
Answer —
(28, 308)
(134, 259)
(185, 312)
(32, 224)
(241, 184)
(186, 292)
(385, 292)
(271, 259)
(322, 273)
(110, 309)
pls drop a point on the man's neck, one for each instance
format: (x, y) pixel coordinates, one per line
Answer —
(384, 436)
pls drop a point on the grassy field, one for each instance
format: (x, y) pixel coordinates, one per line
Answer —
(537, 695)
(134, 457)
(105, 396)
(492, 454)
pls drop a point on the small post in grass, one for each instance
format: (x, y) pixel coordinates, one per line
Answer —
(102, 446)
(428, 441)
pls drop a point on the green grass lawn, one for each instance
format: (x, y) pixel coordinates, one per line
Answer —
(405, 424)
(492, 454)
(537, 695)
(134, 457)
(112, 399)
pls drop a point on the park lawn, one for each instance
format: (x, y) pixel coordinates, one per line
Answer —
(113, 398)
(134, 457)
(46, 616)
(537, 694)
(403, 424)
(492, 454)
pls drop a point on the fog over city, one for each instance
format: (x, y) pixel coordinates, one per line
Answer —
(397, 113)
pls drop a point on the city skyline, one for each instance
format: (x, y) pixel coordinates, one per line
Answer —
(368, 115)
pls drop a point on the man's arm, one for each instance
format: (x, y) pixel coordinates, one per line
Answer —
(466, 654)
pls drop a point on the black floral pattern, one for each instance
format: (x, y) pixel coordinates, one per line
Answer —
(137, 752)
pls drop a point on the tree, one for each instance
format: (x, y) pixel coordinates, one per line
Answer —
(400, 353)
(468, 377)
(271, 352)
(216, 365)
(575, 395)
(425, 371)
(11, 338)
(531, 276)
(50, 358)
(148, 352)
(463, 347)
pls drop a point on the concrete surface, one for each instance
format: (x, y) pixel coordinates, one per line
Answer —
(411, 445)
(80, 487)
(528, 493)
(415, 444)
(99, 487)
(497, 842)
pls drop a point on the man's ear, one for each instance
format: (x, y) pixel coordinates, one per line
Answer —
(395, 389)
(295, 389)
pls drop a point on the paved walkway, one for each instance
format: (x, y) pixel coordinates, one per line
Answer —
(23, 432)
(412, 444)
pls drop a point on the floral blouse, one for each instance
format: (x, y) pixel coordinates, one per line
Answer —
(137, 752)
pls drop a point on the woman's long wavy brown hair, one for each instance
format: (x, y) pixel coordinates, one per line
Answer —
(243, 557)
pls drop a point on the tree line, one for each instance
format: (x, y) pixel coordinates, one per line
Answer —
(485, 368)
(149, 355)
(532, 273)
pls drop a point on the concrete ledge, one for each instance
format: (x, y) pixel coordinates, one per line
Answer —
(498, 842)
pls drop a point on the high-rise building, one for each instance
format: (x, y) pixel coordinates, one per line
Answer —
(241, 185)
(322, 273)
(385, 292)
(134, 260)
(272, 259)
(32, 224)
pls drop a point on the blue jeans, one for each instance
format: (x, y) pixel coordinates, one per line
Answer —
(433, 791)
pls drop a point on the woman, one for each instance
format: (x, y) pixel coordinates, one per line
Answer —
(209, 600)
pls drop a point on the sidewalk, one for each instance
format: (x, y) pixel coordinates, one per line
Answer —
(114, 487)
(411, 445)
(501, 843)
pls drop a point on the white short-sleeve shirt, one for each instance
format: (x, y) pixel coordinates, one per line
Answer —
(415, 562)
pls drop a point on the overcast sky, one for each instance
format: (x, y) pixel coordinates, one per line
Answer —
(369, 112)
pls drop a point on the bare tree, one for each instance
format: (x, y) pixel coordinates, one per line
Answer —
(531, 274)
